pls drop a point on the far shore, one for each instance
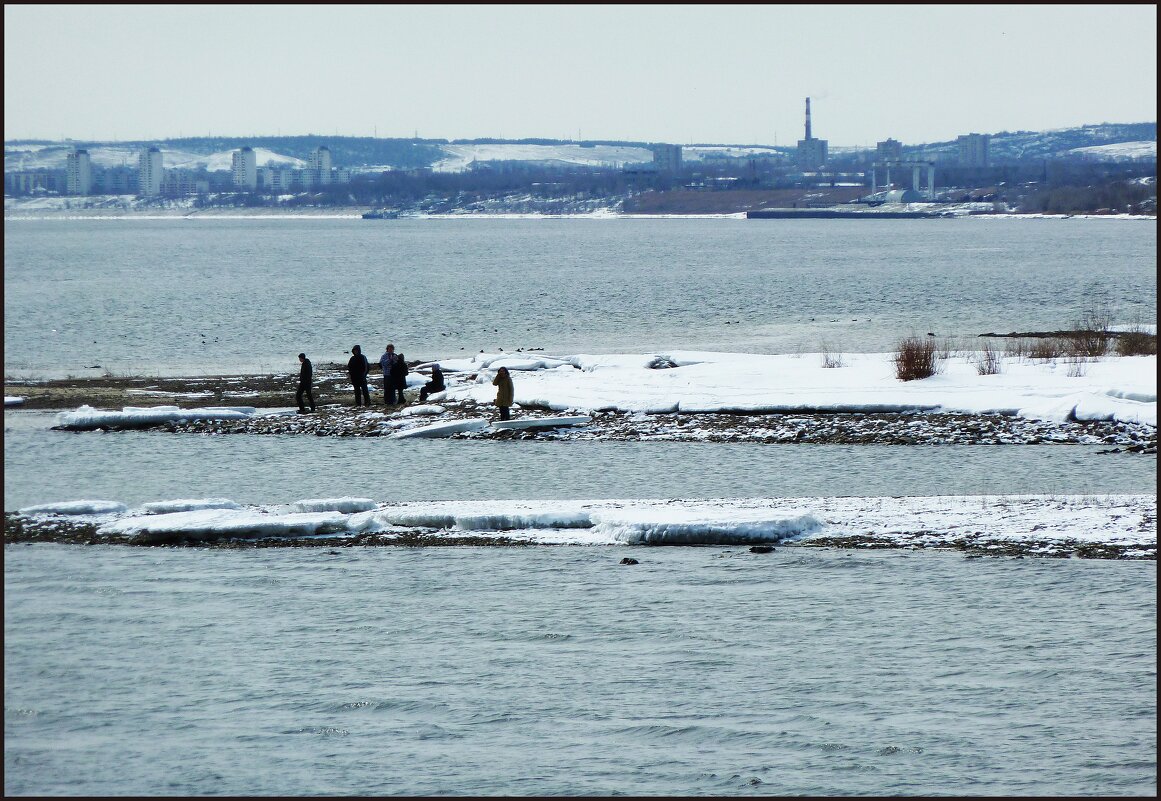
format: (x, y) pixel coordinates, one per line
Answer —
(19, 212)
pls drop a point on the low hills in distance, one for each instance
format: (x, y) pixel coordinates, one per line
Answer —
(1106, 141)
(1107, 168)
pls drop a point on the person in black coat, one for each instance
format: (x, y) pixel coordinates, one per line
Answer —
(305, 376)
(385, 361)
(434, 385)
(358, 368)
(399, 375)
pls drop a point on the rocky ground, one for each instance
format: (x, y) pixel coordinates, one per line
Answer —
(807, 428)
(337, 416)
(114, 392)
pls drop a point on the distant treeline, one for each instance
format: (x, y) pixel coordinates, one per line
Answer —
(1120, 196)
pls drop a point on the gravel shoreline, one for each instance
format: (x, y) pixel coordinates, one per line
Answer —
(275, 393)
(808, 428)
(341, 419)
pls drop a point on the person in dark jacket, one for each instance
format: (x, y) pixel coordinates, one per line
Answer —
(505, 392)
(399, 375)
(305, 376)
(434, 385)
(385, 361)
(358, 368)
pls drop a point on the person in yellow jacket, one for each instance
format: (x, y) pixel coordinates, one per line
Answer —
(504, 391)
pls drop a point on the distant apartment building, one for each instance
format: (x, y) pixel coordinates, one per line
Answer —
(973, 150)
(279, 179)
(811, 153)
(150, 173)
(115, 181)
(888, 150)
(274, 179)
(245, 169)
(320, 166)
(667, 158)
(181, 183)
(285, 179)
(30, 182)
(78, 173)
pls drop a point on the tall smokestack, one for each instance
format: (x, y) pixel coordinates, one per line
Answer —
(808, 118)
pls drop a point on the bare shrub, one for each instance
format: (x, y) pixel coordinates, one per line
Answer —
(1089, 336)
(830, 359)
(1017, 348)
(1077, 366)
(916, 358)
(1046, 348)
(1136, 342)
(1086, 343)
(988, 361)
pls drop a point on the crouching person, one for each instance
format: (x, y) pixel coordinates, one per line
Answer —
(434, 385)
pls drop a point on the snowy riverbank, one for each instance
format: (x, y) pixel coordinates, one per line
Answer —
(691, 385)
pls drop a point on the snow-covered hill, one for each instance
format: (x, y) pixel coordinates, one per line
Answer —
(1107, 142)
(460, 157)
(1122, 151)
(53, 157)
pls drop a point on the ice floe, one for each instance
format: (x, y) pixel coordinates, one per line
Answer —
(1045, 522)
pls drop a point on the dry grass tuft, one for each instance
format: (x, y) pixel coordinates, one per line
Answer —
(988, 361)
(830, 359)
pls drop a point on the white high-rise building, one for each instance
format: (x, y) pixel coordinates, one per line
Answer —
(79, 173)
(320, 166)
(149, 172)
(245, 169)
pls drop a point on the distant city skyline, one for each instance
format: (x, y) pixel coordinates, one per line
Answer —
(681, 74)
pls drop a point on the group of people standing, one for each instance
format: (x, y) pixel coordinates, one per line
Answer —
(394, 366)
(395, 371)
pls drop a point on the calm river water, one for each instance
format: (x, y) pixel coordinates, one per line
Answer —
(555, 670)
(170, 296)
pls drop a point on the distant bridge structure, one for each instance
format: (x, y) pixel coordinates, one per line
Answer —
(915, 167)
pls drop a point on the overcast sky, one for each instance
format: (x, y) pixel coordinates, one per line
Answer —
(725, 74)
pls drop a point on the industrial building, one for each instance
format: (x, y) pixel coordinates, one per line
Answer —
(811, 151)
